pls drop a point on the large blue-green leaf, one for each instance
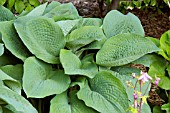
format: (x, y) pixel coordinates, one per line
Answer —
(105, 93)
(165, 45)
(10, 82)
(1, 111)
(67, 25)
(41, 36)
(6, 14)
(14, 71)
(74, 66)
(90, 22)
(124, 74)
(148, 59)
(11, 40)
(63, 12)
(96, 45)
(40, 80)
(116, 23)
(9, 109)
(123, 49)
(1, 49)
(157, 69)
(38, 11)
(7, 60)
(18, 102)
(63, 104)
(83, 36)
(51, 6)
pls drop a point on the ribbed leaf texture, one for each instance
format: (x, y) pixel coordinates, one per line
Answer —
(105, 93)
(12, 41)
(83, 36)
(18, 102)
(41, 36)
(116, 23)
(6, 14)
(123, 49)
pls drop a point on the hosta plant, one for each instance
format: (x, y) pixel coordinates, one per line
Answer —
(53, 60)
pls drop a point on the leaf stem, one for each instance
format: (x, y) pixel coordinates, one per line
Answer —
(140, 105)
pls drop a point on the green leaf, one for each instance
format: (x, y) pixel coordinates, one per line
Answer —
(138, 4)
(168, 69)
(110, 97)
(1, 49)
(92, 46)
(40, 80)
(147, 2)
(158, 69)
(15, 100)
(125, 74)
(38, 11)
(9, 109)
(73, 66)
(166, 107)
(51, 6)
(116, 23)
(146, 108)
(62, 104)
(11, 3)
(34, 2)
(14, 71)
(154, 40)
(148, 59)
(12, 41)
(2, 2)
(123, 70)
(90, 22)
(19, 6)
(83, 36)
(28, 8)
(67, 25)
(45, 37)
(1, 111)
(10, 82)
(153, 2)
(165, 45)
(7, 59)
(63, 12)
(157, 109)
(123, 49)
(6, 14)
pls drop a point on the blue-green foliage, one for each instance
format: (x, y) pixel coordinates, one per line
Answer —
(52, 51)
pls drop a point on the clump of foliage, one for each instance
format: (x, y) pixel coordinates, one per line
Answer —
(18, 6)
(144, 4)
(78, 64)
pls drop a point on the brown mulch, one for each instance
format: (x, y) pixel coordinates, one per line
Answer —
(153, 23)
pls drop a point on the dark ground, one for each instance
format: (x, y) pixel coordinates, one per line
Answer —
(154, 25)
